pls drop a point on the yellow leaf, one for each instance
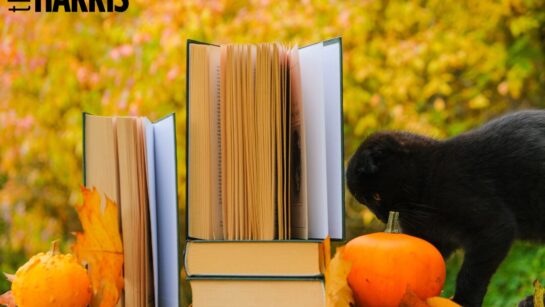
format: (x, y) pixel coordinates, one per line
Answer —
(538, 294)
(338, 292)
(479, 102)
(100, 247)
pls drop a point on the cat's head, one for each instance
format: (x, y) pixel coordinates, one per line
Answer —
(381, 173)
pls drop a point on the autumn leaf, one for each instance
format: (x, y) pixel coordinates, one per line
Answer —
(7, 299)
(326, 244)
(338, 292)
(538, 294)
(100, 247)
(410, 299)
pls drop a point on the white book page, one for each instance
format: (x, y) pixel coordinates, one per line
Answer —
(312, 81)
(150, 162)
(167, 211)
(333, 126)
(215, 142)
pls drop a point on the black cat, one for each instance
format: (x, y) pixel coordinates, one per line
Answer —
(478, 191)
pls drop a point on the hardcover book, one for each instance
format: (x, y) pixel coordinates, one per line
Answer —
(258, 292)
(133, 162)
(264, 141)
(255, 258)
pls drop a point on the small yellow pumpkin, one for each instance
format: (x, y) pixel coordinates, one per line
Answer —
(51, 279)
(438, 301)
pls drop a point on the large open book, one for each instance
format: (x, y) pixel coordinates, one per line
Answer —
(133, 162)
(264, 141)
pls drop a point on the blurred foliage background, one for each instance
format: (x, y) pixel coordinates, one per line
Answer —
(434, 67)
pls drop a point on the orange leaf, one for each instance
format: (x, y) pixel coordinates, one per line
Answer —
(326, 244)
(338, 292)
(410, 299)
(100, 247)
(7, 299)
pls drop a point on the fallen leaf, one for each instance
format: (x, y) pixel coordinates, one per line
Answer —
(338, 292)
(410, 299)
(326, 244)
(100, 247)
(7, 299)
(539, 293)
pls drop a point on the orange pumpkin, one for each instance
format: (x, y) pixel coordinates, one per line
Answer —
(385, 264)
(51, 280)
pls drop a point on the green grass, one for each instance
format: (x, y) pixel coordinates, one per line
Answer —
(513, 280)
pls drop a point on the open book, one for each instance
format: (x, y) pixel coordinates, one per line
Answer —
(264, 148)
(133, 162)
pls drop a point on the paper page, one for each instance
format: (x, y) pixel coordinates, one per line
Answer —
(101, 165)
(333, 113)
(200, 185)
(150, 162)
(286, 141)
(312, 79)
(130, 202)
(167, 211)
(277, 106)
(215, 143)
(143, 225)
(298, 189)
(265, 182)
(225, 163)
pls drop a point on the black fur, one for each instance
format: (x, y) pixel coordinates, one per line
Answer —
(478, 191)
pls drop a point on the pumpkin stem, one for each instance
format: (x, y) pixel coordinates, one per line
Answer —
(393, 223)
(54, 250)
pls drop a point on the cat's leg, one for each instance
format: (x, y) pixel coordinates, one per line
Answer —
(484, 252)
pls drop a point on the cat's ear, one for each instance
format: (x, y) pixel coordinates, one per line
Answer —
(385, 146)
(368, 164)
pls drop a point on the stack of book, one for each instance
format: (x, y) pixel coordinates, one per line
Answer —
(264, 171)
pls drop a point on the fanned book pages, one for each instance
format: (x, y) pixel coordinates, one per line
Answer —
(264, 141)
(133, 162)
